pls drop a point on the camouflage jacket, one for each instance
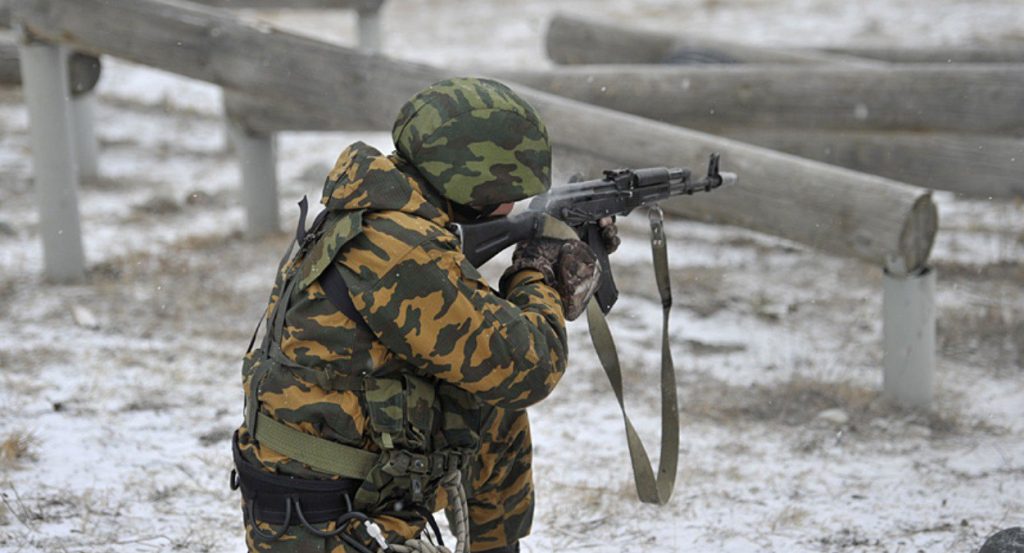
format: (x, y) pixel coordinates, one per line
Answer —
(428, 312)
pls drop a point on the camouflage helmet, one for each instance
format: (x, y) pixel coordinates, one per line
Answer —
(476, 141)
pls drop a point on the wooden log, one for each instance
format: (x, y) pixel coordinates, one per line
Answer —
(950, 98)
(360, 5)
(573, 40)
(306, 84)
(974, 165)
(83, 70)
(935, 54)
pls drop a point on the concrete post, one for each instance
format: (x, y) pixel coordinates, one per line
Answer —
(908, 328)
(44, 74)
(257, 157)
(370, 36)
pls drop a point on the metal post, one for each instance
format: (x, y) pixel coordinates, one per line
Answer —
(908, 328)
(370, 30)
(256, 155)
(44, 75)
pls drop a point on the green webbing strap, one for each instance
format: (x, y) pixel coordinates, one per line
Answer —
(320, 454)
(650, 489)
(284, 259)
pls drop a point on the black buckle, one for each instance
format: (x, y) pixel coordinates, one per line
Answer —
(401, 463)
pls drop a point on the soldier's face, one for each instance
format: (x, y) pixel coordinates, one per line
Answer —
(503, 209)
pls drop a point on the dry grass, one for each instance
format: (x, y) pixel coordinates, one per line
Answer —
(800, 400)
(990, 335)
(17, 449)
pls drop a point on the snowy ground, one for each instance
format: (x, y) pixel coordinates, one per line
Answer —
(117, 397)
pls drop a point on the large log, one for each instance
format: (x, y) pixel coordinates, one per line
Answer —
(974, 165)
(311, 85)
(573, 40)
(83, 70)
(360, 5)
(951, 98)
(935, 54)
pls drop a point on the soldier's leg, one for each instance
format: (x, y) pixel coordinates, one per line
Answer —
(501, 498)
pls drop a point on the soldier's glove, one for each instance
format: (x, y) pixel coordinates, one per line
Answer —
(568, 266)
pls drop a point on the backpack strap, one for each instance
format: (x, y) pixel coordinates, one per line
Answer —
(337, 292)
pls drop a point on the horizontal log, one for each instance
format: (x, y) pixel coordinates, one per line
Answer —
(310, 85)
(83, 70)
(949, 98)
(573, 40)
(973, 165)
(360, 5)
(935, 54)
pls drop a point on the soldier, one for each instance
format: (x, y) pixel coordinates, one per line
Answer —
(389, 368)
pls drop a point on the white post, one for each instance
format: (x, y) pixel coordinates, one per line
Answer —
(908, 328)
(370, 30)
(44, 74)
(257, 157)
(84, 71)
(83, 113)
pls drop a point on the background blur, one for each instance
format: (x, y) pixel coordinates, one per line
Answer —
(118, 397)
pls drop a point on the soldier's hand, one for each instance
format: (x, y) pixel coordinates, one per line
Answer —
(609, 234)
(568, 266)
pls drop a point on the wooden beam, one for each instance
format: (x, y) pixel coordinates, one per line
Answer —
(970, 164)
(305, 84)
(949, 98)
(83, 70)
(574, 40)
(935, 54)
(360, 5)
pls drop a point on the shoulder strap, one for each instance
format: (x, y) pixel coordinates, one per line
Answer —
(651, 489)
(337, 292)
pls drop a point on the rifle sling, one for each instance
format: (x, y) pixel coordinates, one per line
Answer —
(651, 489)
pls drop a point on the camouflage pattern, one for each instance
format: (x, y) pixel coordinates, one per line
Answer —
(476, 141)
(439, 343)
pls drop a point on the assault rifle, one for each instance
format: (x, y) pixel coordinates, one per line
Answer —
(581, 205)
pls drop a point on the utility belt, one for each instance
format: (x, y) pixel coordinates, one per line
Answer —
(275, 498)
